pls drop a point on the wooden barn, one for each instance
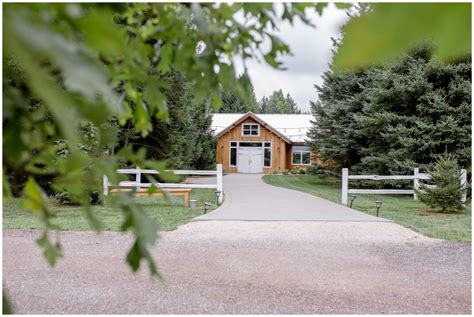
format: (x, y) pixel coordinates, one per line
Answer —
(262, 143)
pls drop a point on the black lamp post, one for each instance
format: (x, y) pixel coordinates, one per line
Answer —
(218, 193)
(378, 204)
(353, 197)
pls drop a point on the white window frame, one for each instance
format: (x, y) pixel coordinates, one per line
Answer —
(301, 150)
(271, 153)
(236, 154)
(249, 124)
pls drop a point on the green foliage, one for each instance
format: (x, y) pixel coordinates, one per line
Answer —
(185, 140)
(6, 306)
(278, 103)
(51, 251)
(387, 120)
(384, 31)
(234, 103)
(448, 192)
(70, 66)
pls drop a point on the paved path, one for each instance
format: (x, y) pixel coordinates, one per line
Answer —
(248, 197)
(245, 267)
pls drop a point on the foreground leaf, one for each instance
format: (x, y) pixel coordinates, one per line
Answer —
(51, 251)
(391, 28)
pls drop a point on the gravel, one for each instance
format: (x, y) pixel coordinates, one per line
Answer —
(234, 267)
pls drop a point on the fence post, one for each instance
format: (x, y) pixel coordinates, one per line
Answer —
(463, 181)
(105, 185)
(416, 182)
(220, 187)
(345, 186)
(138, 177)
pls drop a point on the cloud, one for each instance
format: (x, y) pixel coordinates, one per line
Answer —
(311, 48)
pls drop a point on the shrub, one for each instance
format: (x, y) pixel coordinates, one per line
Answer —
(286, 172)
(62, 197)
(301, 171)
(293, 172)
(448, 191)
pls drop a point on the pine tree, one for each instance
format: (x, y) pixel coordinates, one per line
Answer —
(186, 139)
(448, 190)
(416, 109)
(235, 102)
(278, 103)
(291, 105)
(334, 134)
(388, 119)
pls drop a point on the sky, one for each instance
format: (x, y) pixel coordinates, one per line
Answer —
(312, 54)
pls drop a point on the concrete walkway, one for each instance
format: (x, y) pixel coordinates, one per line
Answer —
(247, 197)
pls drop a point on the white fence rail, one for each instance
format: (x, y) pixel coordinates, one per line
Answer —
(416, 177)
(138, 172)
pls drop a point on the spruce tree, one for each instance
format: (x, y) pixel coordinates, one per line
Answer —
(335, 134)
(447, 193)
(238, 102)
(185, 140)
(388, 119)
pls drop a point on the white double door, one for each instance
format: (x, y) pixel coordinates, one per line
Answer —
(250, 160)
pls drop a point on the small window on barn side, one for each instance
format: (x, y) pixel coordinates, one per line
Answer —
(250, 129)
(233, 154)
(301, 156)
(267, 154)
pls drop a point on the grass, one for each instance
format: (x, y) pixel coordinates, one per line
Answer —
(167, 215)
(402, 209)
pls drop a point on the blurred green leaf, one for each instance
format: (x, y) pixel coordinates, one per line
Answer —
(392, 28)
(51, 251)
(33, 197)
(102, 34)
(166, 55)
(6, 306)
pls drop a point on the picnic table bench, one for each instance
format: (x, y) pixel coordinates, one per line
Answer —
(184, 192)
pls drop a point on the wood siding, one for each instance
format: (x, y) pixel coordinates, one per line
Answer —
(279, 159)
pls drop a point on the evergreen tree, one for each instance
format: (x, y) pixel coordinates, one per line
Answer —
(448, 191)
(416, 109)
(387, 120)
(186, 139)
(291, 106)
(278, 103)
(334, 134)
(234, 102)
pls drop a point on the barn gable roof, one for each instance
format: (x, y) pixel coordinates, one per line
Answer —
(292, 128)
(257, 119)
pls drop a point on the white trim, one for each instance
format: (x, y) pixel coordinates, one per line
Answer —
(250, 135)
(301, 150)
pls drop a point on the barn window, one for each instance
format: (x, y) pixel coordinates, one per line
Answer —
(267, 155)
(301, 155)
(250, 129)
(233, 154)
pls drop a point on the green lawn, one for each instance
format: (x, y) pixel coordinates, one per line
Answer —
(168, 215)
(400, 208)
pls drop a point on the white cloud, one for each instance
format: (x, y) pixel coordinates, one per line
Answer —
(312, 54)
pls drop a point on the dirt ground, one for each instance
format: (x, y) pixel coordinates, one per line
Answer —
(230, 267)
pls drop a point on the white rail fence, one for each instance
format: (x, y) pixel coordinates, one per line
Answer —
(416, 177)
(138, 172)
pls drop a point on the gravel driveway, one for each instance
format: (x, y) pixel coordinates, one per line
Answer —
(222, 267)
